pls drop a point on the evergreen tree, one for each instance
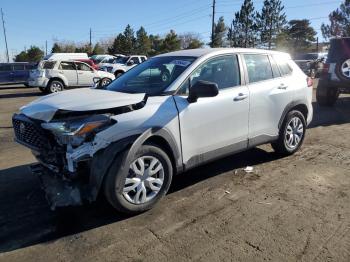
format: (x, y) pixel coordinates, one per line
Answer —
(143, 42)
(218, 39)
(170, 43)
(300, 34)
(156, 43)
(33, 54)
(246, 21)
(56, 48)
(339, 22)
(270, 22)
(118, 45)
(130, 40)
(98, 50)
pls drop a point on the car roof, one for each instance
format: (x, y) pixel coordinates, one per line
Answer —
(206, 51)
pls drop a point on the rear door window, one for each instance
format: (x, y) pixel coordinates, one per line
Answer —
(18, 67)
(67, 66)
(83, 67)
(5, 68)
(258, 67)
(275, 71)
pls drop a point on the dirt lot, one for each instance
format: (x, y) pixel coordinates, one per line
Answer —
(289, 209)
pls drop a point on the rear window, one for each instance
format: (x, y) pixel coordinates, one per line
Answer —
(18, 67)
(4, 68)
(48, 64)
(258, 67)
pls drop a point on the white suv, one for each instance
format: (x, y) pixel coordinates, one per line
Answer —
(123, 64)
(53, 76)
(170, 114)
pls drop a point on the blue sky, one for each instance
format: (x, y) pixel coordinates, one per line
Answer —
(35, 21)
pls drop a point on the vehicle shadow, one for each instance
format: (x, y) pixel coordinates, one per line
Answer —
(15, 86)
(336, 115)
(19, 95)
(26, 218)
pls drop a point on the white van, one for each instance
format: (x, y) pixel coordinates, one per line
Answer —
(66, 56)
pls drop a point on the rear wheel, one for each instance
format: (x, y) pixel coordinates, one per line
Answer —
(55, 86)
(136, 185)
(326, 95)
(292, 134)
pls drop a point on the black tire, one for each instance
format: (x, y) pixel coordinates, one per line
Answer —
(105, 82)
(115, 180)
(280, 146)
(326, 95)
(55, 86)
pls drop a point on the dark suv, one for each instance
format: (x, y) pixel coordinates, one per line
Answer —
(15, 73)
(335, 76)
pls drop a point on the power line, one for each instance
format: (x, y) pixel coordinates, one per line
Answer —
(3, 25)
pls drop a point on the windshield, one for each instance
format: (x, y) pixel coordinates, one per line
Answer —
(153, 76)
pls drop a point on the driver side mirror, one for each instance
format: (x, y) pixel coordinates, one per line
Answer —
(202, 89)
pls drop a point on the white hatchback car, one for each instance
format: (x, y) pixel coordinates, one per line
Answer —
(53, 76)
(169, 114)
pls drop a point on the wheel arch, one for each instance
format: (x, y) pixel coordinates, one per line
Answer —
(295, 105)
(57, 79)
(103, 159)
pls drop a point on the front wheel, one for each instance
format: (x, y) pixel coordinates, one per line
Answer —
(292, 134)
(136, 185)
(105, 82)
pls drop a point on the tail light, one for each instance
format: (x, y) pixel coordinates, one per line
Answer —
(310, 82)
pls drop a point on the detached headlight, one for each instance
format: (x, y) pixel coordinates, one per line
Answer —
(75, 130)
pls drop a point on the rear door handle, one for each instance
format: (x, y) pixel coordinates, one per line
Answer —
(282, 86)
(240, 97)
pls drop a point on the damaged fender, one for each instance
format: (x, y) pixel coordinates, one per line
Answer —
(104, 158)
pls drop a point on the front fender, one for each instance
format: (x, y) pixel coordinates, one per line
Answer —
(103, 159)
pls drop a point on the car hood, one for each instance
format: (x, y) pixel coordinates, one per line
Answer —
(79, 100)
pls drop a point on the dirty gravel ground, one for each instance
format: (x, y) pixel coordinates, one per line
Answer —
(289, 209)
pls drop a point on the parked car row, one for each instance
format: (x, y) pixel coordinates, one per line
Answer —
(53, 76)
(59, 71)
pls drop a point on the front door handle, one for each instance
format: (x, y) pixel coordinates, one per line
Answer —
(282, 86)
(240, 97)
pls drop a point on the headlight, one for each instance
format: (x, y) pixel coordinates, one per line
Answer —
(75, 130)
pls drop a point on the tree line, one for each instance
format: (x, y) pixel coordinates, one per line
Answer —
(249, 28)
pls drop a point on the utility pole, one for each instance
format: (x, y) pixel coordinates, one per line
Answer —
(317, 45)
(3, 25)
(213, 23)
(46, 48)
(90, 43)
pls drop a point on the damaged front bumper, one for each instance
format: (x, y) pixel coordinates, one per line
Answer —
(59, 191)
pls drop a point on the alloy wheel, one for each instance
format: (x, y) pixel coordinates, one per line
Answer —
(294, 133)
(144, 181)
(345, 69)
(56, 87)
